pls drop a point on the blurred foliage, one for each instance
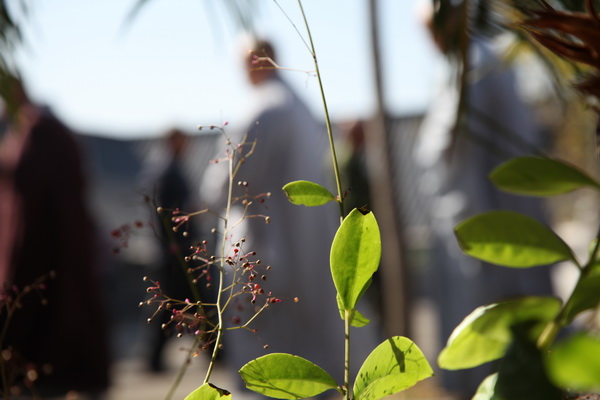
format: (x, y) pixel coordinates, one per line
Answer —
(240, 12)
(10, 38)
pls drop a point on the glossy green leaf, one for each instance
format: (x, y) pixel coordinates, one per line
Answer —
(485, 334)
(574, 363)
(357, 319)
(355, 255)
(586, 294)
(284, 376)
(537, 176)
(209, 392)
(307, 193)
(511, 239)
(486, 391)
(393, 366)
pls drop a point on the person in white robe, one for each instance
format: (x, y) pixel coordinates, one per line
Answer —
(290, 145)
(498, 125)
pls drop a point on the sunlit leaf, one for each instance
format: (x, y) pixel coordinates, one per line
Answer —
(284, 376)
(307, 193)
(485, 391)
(393, 366)
(538, 176)
(574, 363)
(485, 334)
(209, 392)
(355, 255)
(511, 239)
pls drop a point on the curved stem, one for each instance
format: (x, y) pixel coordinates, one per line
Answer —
(553, 327)
(219, 327)
(336, 169)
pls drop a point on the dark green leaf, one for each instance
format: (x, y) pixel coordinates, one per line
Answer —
(393, 366)
(354, 257)
(284, 376)
(511, 239)
(484, 335)
(586, 294)
(537, 176)
(307, 193)
(521, 372)
(575, 363)
(209, 392)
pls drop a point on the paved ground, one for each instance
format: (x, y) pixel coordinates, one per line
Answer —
(132, 381)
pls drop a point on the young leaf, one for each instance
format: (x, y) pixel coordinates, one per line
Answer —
(355, 255)
(538, 176)
(484, 335)
(575, 363)
(284, 376)
(393, 366)
(307, 193)
(485, 391)
(511, 239)
(209, 392)
(358, 320)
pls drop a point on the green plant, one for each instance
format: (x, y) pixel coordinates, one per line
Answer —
(394, 365)
(239, 271)
(524, 333)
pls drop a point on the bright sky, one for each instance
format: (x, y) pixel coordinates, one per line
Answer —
(179, 62)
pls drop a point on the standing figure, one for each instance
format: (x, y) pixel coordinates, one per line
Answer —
(497, 125)
(172, 194)
(290, 145)
(46, 233)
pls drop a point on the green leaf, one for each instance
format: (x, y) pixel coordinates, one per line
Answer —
(284, 376)
(209, 392)
(574, 363)
(486, 391)
(484, 335)
(355, 255)
(537, 176)
(586, 294)
(357, 320)
(521, 372)
(307, 193)
(511, 239)
(393, 366)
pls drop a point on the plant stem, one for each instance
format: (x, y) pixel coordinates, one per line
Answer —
(347, 318)
(183, 367)
(220, 310)
(553, 327)
(336, 169)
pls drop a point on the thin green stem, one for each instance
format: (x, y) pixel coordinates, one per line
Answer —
(553, 327)
(336, 169)
(219, 328)
(183, 368)
(348, 391)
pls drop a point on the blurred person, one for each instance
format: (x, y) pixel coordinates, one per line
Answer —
(290, 145)
(497, 126)
(172, 193)
(59, 330)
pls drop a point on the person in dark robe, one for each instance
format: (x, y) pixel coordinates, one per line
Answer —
(47, 259)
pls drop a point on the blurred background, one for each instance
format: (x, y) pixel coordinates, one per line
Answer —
(121, 74)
